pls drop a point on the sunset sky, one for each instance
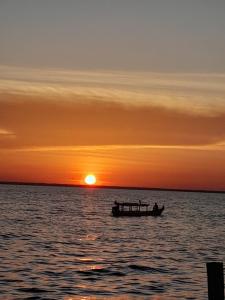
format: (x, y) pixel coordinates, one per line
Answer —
(131, 91)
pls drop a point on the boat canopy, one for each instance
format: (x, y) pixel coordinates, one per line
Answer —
(129, 204)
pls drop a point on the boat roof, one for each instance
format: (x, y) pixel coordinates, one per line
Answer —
(132, 204)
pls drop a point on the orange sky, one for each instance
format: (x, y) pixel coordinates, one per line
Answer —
(129, 129)
(132, 91)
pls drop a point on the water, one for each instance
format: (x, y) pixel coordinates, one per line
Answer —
(62, 243)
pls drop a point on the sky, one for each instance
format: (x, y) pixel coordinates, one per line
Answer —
(131, 91)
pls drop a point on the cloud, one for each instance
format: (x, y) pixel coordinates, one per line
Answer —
(192, 93)
(6, 134)
(105, 148)
(61, 108)
(7, 138)
(40, 122)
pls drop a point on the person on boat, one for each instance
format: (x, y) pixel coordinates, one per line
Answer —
(155, 207)
(117, 207)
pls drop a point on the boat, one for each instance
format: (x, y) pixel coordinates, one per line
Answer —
(134, 209)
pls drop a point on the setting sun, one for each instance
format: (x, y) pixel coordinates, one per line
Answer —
(90, 179)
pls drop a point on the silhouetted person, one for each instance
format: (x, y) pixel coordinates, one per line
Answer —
(117, 206)
(155, 207)
(139, 207)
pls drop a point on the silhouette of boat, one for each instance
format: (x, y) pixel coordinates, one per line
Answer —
(134, 209)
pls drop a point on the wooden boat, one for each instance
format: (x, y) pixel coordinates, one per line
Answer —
(134, 209)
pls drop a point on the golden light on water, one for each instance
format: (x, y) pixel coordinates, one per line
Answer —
(90, 179)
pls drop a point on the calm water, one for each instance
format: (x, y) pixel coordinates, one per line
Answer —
(62, 243)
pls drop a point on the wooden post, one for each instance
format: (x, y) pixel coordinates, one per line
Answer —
(215, 281)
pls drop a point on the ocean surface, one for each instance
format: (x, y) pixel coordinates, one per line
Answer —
(62, 243)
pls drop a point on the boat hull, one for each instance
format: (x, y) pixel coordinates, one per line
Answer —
(137, 213)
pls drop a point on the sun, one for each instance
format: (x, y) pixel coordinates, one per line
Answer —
(90, 179)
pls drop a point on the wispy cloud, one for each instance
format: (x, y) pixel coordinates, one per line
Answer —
(6, 133)
(105, 148)
(40, 122)
(193, 93)
(59, 108)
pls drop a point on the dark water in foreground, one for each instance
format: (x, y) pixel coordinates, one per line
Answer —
(62, 243)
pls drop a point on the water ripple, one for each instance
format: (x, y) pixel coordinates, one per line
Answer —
(62, 243)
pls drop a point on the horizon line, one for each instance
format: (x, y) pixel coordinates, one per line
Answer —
(112, 187)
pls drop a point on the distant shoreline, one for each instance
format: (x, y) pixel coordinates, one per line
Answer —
(112, 187)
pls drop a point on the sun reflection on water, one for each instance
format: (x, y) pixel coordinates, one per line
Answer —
(89, 237)
(124, 297)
